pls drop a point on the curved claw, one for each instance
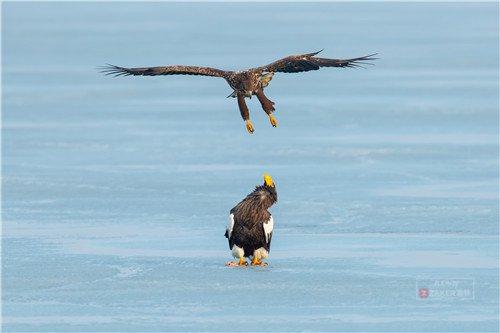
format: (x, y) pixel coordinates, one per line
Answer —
(249, 126)
(261, 264)
(273, 120)
(257, 262)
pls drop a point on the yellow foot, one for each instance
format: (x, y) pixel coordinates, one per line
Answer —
(242, 262)
(273, 120)
(249, 125)
(257, 262)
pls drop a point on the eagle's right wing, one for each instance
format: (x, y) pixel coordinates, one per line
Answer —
(163, 70)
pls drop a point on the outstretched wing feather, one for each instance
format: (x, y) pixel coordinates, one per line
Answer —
(162, 70)
(308, 62)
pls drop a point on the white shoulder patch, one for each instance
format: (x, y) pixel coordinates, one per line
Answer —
(230, 225)
(268, 228)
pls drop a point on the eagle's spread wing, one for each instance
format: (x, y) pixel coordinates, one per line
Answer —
(163, 70)
(308, 62)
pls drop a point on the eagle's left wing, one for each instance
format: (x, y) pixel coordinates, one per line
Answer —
(308, 62)
(229, 230)
(268, 231)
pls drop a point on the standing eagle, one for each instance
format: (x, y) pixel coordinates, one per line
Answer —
(249, 82)
(250, 227)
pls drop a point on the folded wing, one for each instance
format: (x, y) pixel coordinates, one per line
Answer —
(229, 230)
(268, 231)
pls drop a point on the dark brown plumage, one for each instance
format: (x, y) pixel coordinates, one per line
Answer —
(250, 228)
(249, 82)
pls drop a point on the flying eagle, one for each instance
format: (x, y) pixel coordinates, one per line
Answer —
(249, 82)
(250, 227)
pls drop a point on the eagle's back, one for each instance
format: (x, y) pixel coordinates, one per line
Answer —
(248, 233)
(249, 215)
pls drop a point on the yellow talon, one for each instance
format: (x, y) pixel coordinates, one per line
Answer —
(249, 125)
(273, 120)
(242, 262)
(257, 262)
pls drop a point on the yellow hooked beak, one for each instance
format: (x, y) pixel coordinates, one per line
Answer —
(268, 180)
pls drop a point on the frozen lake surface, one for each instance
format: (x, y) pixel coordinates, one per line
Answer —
(116, 191)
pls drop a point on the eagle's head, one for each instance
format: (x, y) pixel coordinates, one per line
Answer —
(268, 190)
(265, 79)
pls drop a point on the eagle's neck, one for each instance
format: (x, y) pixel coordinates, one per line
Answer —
(265, 196)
